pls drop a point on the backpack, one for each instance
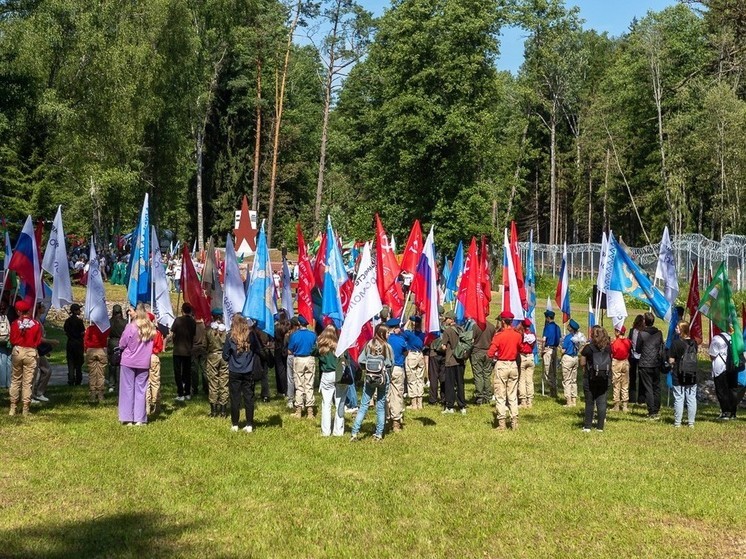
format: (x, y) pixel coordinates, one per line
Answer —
(599, 366)
(465, 344)
(375, 370)
(688, 366)
(4, 329)
(730, 366)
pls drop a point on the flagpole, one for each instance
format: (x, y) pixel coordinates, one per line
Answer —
(404, 310)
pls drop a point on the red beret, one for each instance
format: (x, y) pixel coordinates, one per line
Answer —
(506, 315)
(151, 316)
(527, 322)
(22, 306)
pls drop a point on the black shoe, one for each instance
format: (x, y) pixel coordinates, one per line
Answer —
(213, 410)
(265, 399)
(724, 417)
(224, 410)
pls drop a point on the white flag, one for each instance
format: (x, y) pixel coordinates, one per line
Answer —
(365, 303)
(162, 308)
(234, 295)
(666, 269)
(95, 295)
(55, 262)
(516, 307)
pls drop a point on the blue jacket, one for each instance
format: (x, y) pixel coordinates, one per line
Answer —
(399, 344)
(302, 342)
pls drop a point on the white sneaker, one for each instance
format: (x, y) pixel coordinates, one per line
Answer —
(290, 405)
(586, 430)
(187, 397)
(111, 390)
(447, 410)
(350, 410)
(42, 398)
(463, 411)
(140, 424)
(248, 428)
(234, 428)
(35, 402)
(179, 398)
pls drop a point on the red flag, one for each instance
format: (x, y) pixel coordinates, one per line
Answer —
(192, 288)
(467, 291)
(516, 254)
(485, 276)
(692, 304)
(39, 233)
(387, 272)
(305, 278)
(319, 265)
(412, 252)
(366, 334)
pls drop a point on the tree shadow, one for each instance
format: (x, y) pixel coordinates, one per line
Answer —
(426, 421)
(271, 421)
(114, 536)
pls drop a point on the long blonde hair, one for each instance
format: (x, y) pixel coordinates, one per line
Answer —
(327, 340)
(145, 326)
(240, 333)
(379, 344)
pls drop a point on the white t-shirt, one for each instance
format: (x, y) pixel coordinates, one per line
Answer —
(719, 350)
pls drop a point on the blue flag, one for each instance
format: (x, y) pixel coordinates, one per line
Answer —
(138, 285)
(449, 295)
(260, 305)
(456, 269)
(628, 278)
(335, 277)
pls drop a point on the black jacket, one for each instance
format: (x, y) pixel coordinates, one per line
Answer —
(650, 347)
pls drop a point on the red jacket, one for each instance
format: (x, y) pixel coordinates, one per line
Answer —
(158, 343)
(506, 345)
(94, 338)
(25, 332)
(621, 348)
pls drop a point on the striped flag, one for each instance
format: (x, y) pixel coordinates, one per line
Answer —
(562, 295)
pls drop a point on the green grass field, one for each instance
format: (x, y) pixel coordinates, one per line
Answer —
(74, 483)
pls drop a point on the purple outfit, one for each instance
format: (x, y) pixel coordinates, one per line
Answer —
(133, 382)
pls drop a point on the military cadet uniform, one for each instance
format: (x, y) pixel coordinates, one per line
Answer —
(552, 336)
(481, 365)
(217, 370)
(199, 358)
(301, 345)
(526, 373)
(505, 348)
(395, 399)
(415, 363)
(569, 364)
(25, 337)
(117, 326)
(95, 342)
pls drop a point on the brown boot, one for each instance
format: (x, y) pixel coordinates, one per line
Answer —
(501, 424)
(419, 403)
(12, 409)
(616, 407)
(514, 424)
(26, 410)
(310, 413)
(530, 403)
(624, 407)
(574, 402)
(298, 412)
(568, 403)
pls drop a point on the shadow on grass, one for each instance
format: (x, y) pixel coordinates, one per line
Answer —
(117, 535)
(426, 421)
(272, 421)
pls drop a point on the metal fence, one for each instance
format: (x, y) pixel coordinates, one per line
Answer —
(583, 259)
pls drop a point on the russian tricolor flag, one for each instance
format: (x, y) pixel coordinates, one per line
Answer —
(25, 263)
(425, 286)
(562, 295)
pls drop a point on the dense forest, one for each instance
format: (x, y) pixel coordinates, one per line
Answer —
(315, 108)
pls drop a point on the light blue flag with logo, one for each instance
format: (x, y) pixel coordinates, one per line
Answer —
(138, 285)
(261, 305)
(456, 269)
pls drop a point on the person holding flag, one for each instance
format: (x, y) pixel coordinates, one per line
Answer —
(526, 370)
(74, 330)
(505, 349)
(571, 344)
(136, 344)
(301, 346)
(481, 365)
(25, 337)
(621, 350)
(95, 342)
(550, 340)
(650, 346)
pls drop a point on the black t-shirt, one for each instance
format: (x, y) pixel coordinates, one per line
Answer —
(587, 352)
(184, 329)
(677, 351)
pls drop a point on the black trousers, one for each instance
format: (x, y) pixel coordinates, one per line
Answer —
(74, 351)
(595, 397)
(650, 378)
(455, 387)
(436, 377)
(241, 386)
(183, 374)
(635, 387)
(281, 371)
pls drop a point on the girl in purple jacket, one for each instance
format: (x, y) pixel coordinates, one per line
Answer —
(136, 344)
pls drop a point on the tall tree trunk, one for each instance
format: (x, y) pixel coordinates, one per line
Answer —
(606, 190)
(200, 142)
(279, 103)
(590, 206)
(517, 172)
(553, 174)
(258, 137)
(655, 71)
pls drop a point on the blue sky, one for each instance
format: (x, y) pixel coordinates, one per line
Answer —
(613, 16)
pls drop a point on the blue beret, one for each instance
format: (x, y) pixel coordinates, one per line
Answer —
(416, 319)
(302, 320)
(549, 314)
(574, 325)
(393, 323)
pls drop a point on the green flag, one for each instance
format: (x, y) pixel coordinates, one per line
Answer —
(717, 305)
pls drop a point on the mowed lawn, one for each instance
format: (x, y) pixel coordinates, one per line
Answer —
(74, 483)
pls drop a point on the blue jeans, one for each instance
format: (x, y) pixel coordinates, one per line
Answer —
(351, 401)
(683, 394)
(4, 370)
(368, 391)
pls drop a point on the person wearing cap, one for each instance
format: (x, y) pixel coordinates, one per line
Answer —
(290, 394)
(481, 365)
(183, 332)
(117, 325)
(75, 330)
(217, 368)
(571, 344)
(25, 337)
(395, 399)
(454, 368)
(504, 350)
(95, 343)
(526, 371)
(621, 348)
(301, 346)
(136, 344)
(550, 341)
(153, 395)
(415, 360)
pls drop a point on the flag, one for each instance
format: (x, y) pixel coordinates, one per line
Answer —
(627, 277)
(319, 264)
(287, 294)
(562, 294)
(95, 296)
(55, 262)
(718, 306)
(337, 285)
(192, 288)
(600, 277)
(448, 295)
(511, 293)
(162, 307)
(138, 285)
(692, 305)
(550, 307)
(531, 292)
(425, 286)
(393, 245)
(485, 276)
(387, 272)
(666, 269)
(591, 315)
(457, 269)
(234, 294)
(516, 253)
(616, 308)
(467, 292)
(365, 303)
(305, 278)
(261, 305)
(25, 263)
(211, 277)
(412, 251)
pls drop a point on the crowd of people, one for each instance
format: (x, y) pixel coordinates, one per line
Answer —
(400, 363)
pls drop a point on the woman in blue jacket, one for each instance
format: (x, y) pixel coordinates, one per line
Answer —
(243, 353)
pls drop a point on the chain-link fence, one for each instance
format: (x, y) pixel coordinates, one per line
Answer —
(583, 259)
